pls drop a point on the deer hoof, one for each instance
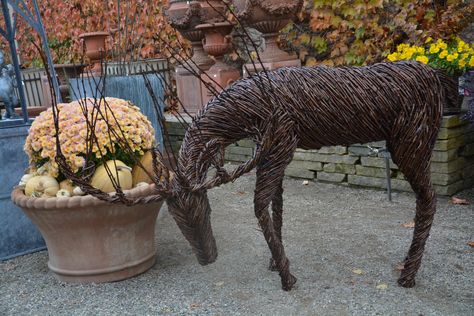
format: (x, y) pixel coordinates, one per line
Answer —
(287, 285)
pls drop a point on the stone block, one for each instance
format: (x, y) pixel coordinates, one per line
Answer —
(444, 156)
(371, 171)
(378, 144)
(447, 133)
(377, 162)
(449, 189)
(331, 177)
(365, 181)
(236, 157)
(299, 173)
(400, 185)
(340, 150)
(446, 178)
(306, 165)
(450, 121)
(309, 156)
(359, 151)
(246, 143)
(239, 150)
(448, 167)
(397, 184)
(339, 168)
(448, 144)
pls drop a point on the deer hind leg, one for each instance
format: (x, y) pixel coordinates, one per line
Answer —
(414, 161)
(277, 218)
(270, 174)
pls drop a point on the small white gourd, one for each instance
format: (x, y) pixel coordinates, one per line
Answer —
(63, 192)
(78, 191)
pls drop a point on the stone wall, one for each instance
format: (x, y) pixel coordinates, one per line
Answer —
(452, 163)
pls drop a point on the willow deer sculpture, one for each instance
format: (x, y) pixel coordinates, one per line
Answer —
(309, 108)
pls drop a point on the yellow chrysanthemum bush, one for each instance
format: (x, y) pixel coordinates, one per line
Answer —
(92, 130)
(455, 56)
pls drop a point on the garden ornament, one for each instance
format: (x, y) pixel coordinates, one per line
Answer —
(309, 108)
(306, 108)
(7, 88)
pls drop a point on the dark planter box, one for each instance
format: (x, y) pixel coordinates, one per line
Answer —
(18, 235)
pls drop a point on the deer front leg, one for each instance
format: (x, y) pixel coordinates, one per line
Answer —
(264, 192)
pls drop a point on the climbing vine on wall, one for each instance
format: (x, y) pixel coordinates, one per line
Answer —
(359, 32)
(138, 28)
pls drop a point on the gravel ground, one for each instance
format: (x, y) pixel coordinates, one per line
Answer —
(343, 244)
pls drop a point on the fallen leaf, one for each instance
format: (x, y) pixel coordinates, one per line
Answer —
(358, 271)
(471, 244)
(382, 286)
(410, 224)
(400, 266)
(305, 182)
(239, 193)
(219, 284)
(458, 201)
(194, 305)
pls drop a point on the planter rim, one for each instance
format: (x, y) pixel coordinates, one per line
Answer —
(100, 33)
(51, 203)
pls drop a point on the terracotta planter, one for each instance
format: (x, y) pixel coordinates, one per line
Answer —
(95, 49)
(90, 240)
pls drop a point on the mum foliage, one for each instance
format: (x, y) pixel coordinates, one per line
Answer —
(360, 32)
(120, 131)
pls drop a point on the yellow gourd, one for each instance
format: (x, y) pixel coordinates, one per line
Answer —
(138, 174)
(41, 186)
(100, 179)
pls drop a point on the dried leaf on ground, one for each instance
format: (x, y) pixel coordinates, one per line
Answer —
(410, 224)
(471, 244)
(358, 271)
(382, 286)
(239, 193)
(400, 266)
(458, 201)
(194, 305)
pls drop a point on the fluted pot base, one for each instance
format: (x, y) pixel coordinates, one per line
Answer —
(89, 240)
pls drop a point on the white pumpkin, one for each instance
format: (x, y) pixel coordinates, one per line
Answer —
(41, 186)
(24, 179)
(102, 181)
(63, 192)
(77, 191)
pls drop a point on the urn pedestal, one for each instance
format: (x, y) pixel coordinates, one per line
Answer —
(217, 43)
(184, 16)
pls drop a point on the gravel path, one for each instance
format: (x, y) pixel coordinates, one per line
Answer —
(343, 244)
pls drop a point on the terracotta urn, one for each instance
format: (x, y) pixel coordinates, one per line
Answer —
(184, 16)
(95, 49)
(90, 240)
(217, 42)
(64, 73)
(269, 17)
